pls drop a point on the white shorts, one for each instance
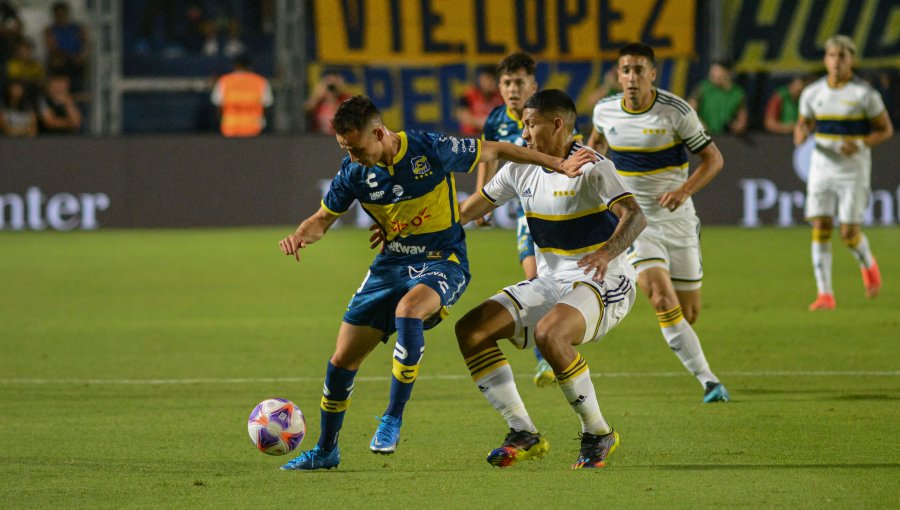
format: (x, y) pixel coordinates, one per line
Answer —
(837, 198)
(673, 246)
(603, 305)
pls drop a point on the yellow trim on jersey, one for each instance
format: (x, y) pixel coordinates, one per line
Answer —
(329, 211)
(511, 115)
(629, 110)
(334, 406)
(451, 258)
(839, 137)
(841, 117)
(616, 201)
(404, 144)
(454, 199)
(563, 217)
(477, 157)
(421, 215)
(669, 317)
(405, 373)
(586, 249)
(644, 149)
(599, 302)
(651, 172)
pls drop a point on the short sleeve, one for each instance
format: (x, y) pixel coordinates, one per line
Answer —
(501, 188)
(873, 103)
(340, 195)
(457, 154)
(689, 128)
(606, 183)
(597, 119)
(806, 110)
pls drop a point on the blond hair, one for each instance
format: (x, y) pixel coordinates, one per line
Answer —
(841, 41)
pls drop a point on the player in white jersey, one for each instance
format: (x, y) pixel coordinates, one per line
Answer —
(849, 118)
(645, 131)
(580, 226)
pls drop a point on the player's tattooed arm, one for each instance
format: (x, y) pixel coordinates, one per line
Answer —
(631, 222)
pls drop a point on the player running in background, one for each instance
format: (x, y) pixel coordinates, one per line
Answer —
(580, 227)
(517, 84)
(645, 131)
(403, 180)
(849, 118)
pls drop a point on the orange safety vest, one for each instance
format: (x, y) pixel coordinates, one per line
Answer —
(242, 104)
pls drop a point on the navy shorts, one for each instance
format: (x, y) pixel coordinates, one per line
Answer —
(375, 301)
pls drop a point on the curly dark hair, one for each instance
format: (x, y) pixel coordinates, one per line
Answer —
(355, 114)
(515, 61)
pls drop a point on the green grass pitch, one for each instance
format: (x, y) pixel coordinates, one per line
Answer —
(131, 360)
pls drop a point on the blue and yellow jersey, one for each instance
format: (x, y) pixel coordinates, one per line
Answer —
(842, 114)
(648, 147)
(414, 199)
(502, 125)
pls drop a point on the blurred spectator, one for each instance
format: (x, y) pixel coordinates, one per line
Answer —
(783, 106)
(67, 47)
(242, 97)
(17, 117)
(478, 101)
(327, 95)
(57, 110)
(608, 87)
(10, 30)
(25, 68)
(720, 103)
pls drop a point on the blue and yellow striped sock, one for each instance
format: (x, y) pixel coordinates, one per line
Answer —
(407, 357)
(335, 400)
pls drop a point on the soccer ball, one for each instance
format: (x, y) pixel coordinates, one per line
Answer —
(276, 426)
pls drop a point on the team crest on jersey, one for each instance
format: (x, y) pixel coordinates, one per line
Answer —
(420, 165)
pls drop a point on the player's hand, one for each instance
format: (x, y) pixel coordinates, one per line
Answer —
(849, 148)
(596, 262)
(672, 200)
(291, 245)
(484, 221)
(572, 165)
(376, 238)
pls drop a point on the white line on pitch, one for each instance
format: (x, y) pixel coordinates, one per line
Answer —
(255, 380)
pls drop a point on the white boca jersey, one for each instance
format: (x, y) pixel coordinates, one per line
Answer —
(568, 217)
(841, 114)
(648, 147)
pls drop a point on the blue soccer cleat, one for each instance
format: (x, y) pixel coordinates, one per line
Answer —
(715, 392)
(387, 436)
(596, 449)
(543, 374)
(316, 458)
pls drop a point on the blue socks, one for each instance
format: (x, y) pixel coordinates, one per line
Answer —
(407, 355)
(538, 355)
(335, 400)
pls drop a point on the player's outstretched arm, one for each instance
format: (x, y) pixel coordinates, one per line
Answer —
(631, 222)
(494, 151)
(311, 230)
(476, 206)
(711, 163)
(485, 172)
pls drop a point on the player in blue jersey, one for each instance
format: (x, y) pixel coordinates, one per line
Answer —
(848, 118)
(517, 84)
(647, 132)
(403, 180)
(581, 226)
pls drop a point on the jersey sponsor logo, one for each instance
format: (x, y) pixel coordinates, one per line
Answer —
(370, 180)
(398, 247)
(527, 193)
(375, 195)
(397, 190)
(503, 130)
(400, 225)
(420, 165)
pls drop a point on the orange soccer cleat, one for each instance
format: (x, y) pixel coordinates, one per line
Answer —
(823, 302)
(871, 279)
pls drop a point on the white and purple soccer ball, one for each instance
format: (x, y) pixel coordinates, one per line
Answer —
(276, 426)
